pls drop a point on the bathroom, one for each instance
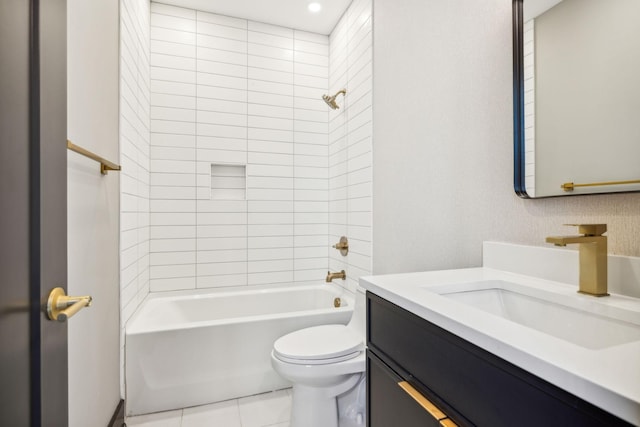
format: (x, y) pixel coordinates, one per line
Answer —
(441, 175)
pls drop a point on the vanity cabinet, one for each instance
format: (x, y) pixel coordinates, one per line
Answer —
(391, 405)
(468, 385)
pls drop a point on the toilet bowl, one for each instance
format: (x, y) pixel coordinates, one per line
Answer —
(323, 363)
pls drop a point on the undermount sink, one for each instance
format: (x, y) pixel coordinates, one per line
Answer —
(589, 323)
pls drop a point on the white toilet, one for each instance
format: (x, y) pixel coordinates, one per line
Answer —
(323, 363)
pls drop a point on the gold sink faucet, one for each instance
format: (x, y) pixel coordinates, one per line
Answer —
(339, 275)
(593, 257)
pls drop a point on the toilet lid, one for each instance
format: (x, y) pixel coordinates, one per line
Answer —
(318, 345)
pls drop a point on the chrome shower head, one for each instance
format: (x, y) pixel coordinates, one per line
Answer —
(331, 100)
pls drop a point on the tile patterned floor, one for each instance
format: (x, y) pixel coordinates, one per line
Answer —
(262, 410)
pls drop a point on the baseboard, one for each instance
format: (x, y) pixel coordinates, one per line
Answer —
(117, 420)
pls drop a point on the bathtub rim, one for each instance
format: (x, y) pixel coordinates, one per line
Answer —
(130, 327)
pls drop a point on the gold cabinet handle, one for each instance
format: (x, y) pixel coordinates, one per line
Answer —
(60, 307)
(426, 404)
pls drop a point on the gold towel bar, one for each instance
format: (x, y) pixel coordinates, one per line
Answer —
(569, 186)
(105, 165)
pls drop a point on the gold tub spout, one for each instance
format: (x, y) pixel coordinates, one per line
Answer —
(339, 275)
(593, 257)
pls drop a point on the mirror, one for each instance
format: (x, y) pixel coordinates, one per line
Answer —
(576, 97)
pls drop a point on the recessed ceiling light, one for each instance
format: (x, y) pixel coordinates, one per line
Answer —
(314, 7)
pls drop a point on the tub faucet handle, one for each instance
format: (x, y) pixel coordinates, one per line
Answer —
(342, 246)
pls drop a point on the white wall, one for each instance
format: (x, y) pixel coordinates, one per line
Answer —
(443, 156)
(134, 157)
(92, 206)
(350, 142)
(227, 91)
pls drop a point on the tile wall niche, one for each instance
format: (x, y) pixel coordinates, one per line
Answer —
(236, 103)
(134, 158)
(350, 141)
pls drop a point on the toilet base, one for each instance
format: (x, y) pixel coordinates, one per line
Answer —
(318, 406)
(352, 405)
(310, 407)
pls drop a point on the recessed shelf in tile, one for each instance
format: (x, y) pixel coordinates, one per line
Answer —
(228, 182)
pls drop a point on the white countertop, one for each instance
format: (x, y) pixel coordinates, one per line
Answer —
(608, 378)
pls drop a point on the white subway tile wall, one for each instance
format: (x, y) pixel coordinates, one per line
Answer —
(233, 93)
(350, 141)
(203, 91)
(135, 227)
(529, 106)
(200, 92)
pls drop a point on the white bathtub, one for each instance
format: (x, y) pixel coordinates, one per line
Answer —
(186, 349)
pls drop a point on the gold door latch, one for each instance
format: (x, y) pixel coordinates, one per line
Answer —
(60, 307)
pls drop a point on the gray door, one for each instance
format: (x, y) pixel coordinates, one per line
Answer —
(33, 254)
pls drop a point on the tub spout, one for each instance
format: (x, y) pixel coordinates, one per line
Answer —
(339, 275)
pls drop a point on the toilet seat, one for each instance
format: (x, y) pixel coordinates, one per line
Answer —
(318, 345)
